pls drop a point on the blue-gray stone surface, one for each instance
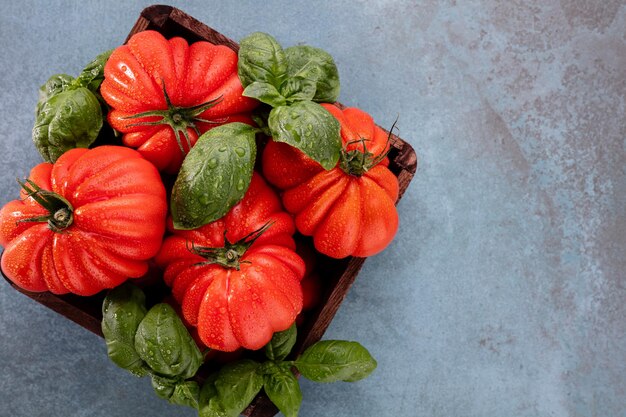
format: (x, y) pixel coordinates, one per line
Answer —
(504, 292)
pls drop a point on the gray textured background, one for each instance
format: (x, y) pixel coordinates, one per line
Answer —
(504, 291)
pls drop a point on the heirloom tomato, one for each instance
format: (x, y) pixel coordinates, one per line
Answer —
(238, 278)
(350, 209)
(165, 93)
(85, 223)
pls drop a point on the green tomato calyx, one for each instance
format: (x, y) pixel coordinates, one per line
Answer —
(179, 119)
(357, 162)
(60, 212)
(231, 255)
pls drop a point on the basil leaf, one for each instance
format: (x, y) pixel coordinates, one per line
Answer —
(55, 84)
(163, 386)
(309, 127)
(237, 384)
(186, 393)
(122, 311)
(67, 120)
(281, 344)
(316, 65)
(164, 343)
(335, 360)
(214, 176)
(176, 391)
(283, 389)
(264, 92)
(298, 89)
(261, 58)
(93, 74)
(208, 403)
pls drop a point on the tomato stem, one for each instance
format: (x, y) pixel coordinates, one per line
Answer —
(357, 162)
(179, 119)
(229, 256)
(60, 212)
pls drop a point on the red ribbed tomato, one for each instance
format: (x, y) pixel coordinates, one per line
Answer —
(85, 223)
(238, 278)
(350, 209)
(165, 93)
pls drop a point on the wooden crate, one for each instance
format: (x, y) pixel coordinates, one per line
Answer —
(337, 275)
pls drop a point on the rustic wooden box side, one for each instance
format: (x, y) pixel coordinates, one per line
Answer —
(337, 275)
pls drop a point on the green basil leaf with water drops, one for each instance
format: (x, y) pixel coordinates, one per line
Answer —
(298, 89)
(69, 113)
(283, 388)
(316, 65)
(214, 176)
(335, 360)
(163, 386)
(55, 84)
(237, 384)
(67, 120)
(281, 344)
(93, 74)
(122, 311)
(261, 58)
(310, 128)
(163, 342)
(265, 93)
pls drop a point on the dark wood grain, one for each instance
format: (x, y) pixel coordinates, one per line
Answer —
(337, 275)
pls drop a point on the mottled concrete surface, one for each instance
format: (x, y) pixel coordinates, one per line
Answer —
(503, 293)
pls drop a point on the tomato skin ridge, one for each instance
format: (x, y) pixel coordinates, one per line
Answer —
(317, 209)
(24, 272)
(339, 231)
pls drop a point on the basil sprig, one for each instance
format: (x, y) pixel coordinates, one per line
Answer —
(215, 175)
(293, 82)
(69, 112)
(228, 392)
(155, 342)
(151, 342)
